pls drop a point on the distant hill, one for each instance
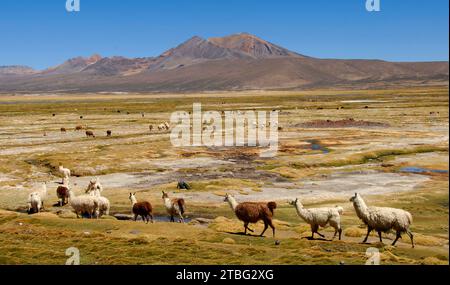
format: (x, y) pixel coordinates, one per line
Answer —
(236, 62)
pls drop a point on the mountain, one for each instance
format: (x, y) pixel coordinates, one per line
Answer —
(16, 70)
(236, 62)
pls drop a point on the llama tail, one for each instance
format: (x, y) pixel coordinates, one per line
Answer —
(272, 206)
(181, 205)
(340, 210)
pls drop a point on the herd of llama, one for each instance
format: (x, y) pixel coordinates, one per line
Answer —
(93, 205)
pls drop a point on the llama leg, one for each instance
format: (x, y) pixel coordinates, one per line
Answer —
(245, 228)
(379, 235)
(265, 228)
(411, 236)
(172, 219)
(321, 235)
(369, 229)
(143, 218)
(340, 233)
(151, 217)
(181, 220)
(399, 235)
(273, 227)
(135, 217)
(313, 230)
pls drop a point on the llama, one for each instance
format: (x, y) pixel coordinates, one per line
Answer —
(320, 217)
(108, 133)
(94, 186)
(62, 192)
(78, 128)
(66, 173)
(176, 206)
(143, 209)
(90, 134)
(63, 130)
(161, 127)
(150, 128)
(251, 212)
(166, 124)
(84, 204)
(383, 219)
(34, 203)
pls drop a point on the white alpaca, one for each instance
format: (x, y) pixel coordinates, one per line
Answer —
(382, 219)
(42, 193)
(84, 204)
(65, 172)
(34, 203)
(103, 202)
(320, 217)
(166, 124)
(94, 186)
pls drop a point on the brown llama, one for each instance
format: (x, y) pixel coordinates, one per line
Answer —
(63, 130)
(143, 209)
(90, 134)
(174, 207)
(108, 133)
(78, 128)
(62, 192)
(251, 212)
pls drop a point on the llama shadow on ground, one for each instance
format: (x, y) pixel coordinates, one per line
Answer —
(320, 239)
(243, 234)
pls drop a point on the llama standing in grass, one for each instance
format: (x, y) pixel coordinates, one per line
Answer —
(251, 212)
(320, 217)
(84, 204)
(94, 186)
(90, 134)
(174, 207)
(65, 173)
(382, 219)
(34, 203)
(62, 192)
(143, 209)
(95, 189)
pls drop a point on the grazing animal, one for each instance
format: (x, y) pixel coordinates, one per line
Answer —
(183, 185)
(63, 130)
(151, 128)
(94, 186)
(143, 209)
(251, 212)
(90, 134)
(320, 217)
(66, 173)
(166, 124)
(174, 207)
(78, 128)
(382, 219)
(84, 204)
(34, 203)
(62, 192)
(108, 133)
(161, 127)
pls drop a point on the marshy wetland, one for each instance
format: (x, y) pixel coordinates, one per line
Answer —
(391, 146)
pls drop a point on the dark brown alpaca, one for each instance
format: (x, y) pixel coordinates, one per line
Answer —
(78, 128)
(251, 212)
(143, 209)
(174, 207)
(90, 134)
(63, 130)
(108, 133)
(62, 192)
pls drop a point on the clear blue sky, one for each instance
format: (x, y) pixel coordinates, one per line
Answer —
(40, 33)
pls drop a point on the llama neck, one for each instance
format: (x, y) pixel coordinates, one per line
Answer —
(133, 200)
(167, 203)
(362, 211)
(302, 212)
(232, 202)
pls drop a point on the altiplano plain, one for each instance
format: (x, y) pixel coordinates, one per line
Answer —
(331, 145)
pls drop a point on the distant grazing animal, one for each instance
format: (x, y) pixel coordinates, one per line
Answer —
(63, 130)
(161, 127)
(143, 115)
(90, 134)
(108, 133)
(62, 192)
(45, 134)
(34, 203)
(150, 127)
(78, 128)
(81, 117)
(94, 186)
(320, 217)
(53, 114)
(143, 209)
(183, 185)
(382, 219)
(251, 212)
(174, 207)
(166, 124)
(84, 204)
(64, 171)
